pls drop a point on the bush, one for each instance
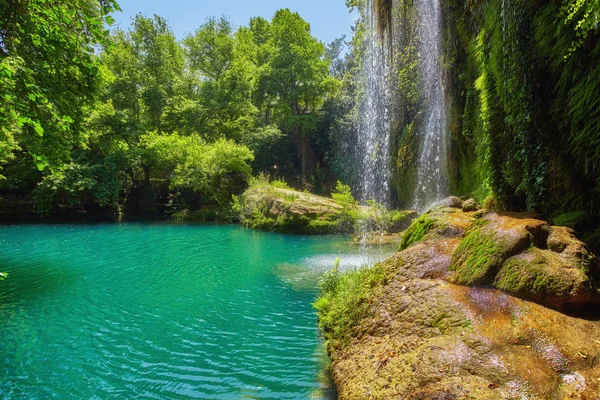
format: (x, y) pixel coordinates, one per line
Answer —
(343, 301)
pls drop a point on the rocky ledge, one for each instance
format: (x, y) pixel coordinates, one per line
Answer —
(286, 210)
(476, 305)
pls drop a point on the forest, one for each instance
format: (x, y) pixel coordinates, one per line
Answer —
(138, 121)
(103, 121)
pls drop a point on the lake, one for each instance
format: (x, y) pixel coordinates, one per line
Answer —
(163, 311)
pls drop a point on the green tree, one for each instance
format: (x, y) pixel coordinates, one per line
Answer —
(298, 79)
(48, 74)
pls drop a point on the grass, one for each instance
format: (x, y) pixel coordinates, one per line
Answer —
(343, 302)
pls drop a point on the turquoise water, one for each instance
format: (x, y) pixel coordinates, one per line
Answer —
(162, 311)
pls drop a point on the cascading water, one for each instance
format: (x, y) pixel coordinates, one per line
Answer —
(375, 116)
(432, 169)
(379, 95)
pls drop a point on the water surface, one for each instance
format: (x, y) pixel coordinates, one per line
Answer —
(162, 311)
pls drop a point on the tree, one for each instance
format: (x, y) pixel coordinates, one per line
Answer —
(223, 72)
(298, 79)
(48, 74)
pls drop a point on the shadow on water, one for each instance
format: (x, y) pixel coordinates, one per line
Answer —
(30, 279)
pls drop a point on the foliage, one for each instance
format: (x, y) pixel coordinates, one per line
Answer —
(48, 75)
(584, 14)
(137, 120)
(572, 219)
(298, 80)
(343, 196)
(344, 301)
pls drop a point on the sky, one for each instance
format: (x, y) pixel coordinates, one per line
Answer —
(329, 19)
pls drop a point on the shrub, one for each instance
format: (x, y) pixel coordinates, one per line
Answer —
(343, 301)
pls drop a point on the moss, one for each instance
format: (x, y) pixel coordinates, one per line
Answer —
(400, 220)
(417, 231)
(343, 302)
(478, 256)
(534, 275)
(404, 172)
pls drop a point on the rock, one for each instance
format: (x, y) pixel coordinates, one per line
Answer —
(287, 210)
(438, 222)
(452, 202)
(435, 340)
(422, 336)
(528, 258)
(278, 209)
(469, 205)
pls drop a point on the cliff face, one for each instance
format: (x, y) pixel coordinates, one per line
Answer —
(407, 329)
(520, 82)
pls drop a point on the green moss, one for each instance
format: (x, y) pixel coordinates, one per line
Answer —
(400, 220)
(534, 275)
(416, 231)
(343, 302)
(477, 257)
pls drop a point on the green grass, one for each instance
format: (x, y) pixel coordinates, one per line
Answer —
(343, 302)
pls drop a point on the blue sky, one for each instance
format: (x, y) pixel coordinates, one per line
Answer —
(328, 19)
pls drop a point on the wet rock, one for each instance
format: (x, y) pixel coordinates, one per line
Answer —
(469, 205)
(452, 202)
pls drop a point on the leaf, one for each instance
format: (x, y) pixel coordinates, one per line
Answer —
(7, 72)
(38, 128)
(22, 121)
(31, 96)
(109, 20)
(41, 162)
(35, 39)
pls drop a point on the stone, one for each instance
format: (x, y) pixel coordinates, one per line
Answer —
(425, 337)
(452, 202)
(469, 205)
(529, 258)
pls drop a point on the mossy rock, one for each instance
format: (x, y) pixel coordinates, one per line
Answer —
(285, 210)
(543, 276)
(401, 330)
(441, 221)
(528, 258)
(417, 231)
(469, 205)
(482, 252)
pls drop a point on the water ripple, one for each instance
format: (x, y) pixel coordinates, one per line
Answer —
(157, 311)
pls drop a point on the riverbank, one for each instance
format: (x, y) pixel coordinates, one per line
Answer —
(475, 305)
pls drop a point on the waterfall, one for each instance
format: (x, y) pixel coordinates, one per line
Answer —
(378, 91)
(373, 140)
(432, 169)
